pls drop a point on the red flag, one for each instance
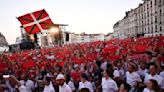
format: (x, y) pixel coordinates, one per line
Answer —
(61, 63)
(110, 49)
(35, 22)
(114, 58)
(28, 64)
(77, 60)
(141, 48)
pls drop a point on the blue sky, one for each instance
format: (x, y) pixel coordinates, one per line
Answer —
(90, 16)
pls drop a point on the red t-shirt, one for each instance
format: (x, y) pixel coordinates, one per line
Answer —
(75, 75)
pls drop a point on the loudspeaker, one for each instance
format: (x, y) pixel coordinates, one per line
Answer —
(26, 45)
(67, 36)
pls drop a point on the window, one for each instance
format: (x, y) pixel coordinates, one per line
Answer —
(155, 2)
(160, 3)
(155, 28)
(160, 28)
(155, 12)
(147, 6)
(147, 13)
(145, 30)
(152, 12)
(145, 23)
(151, 4)
(160, 21)
(160, 12)
(151, 29)
(155, 19)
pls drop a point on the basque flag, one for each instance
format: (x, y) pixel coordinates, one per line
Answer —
(36, 21)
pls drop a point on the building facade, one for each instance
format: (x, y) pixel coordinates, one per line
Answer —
(80, 38)
(145, 20)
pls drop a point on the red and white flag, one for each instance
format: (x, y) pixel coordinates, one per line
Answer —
(35, 22)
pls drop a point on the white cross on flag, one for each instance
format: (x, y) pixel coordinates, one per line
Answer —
(35, 22)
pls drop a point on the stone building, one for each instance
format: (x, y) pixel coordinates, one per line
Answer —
(145, 20)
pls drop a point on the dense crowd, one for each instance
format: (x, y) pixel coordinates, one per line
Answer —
(117, 65)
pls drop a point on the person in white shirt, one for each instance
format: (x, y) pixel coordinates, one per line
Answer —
(132, 77)
(70, 83)
(108, 84)
(142, 71)
(118, 65)
(152, 86)
(104, 65)
(10, 85)
(63, 87)
(21, 88)
(84, 83)
(29, 84)
(48, 85)
(153, 75)
(116, 73)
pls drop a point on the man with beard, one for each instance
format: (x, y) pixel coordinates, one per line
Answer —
(63, 87)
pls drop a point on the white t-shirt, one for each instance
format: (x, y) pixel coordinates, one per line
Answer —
(116, 73)
(162, 74)
(132, 78)
(22, 82)
(109, 85)
(122, 72)
(22, 88)
(49, 88)
(103, 66)
(10, 88)
(156, 77)
(65, 88)
(86, 84)
(147, 90)
(29, 85)
(71, 85)
(142, 72)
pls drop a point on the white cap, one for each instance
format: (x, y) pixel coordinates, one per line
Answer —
(60, 76)
(76, 65)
